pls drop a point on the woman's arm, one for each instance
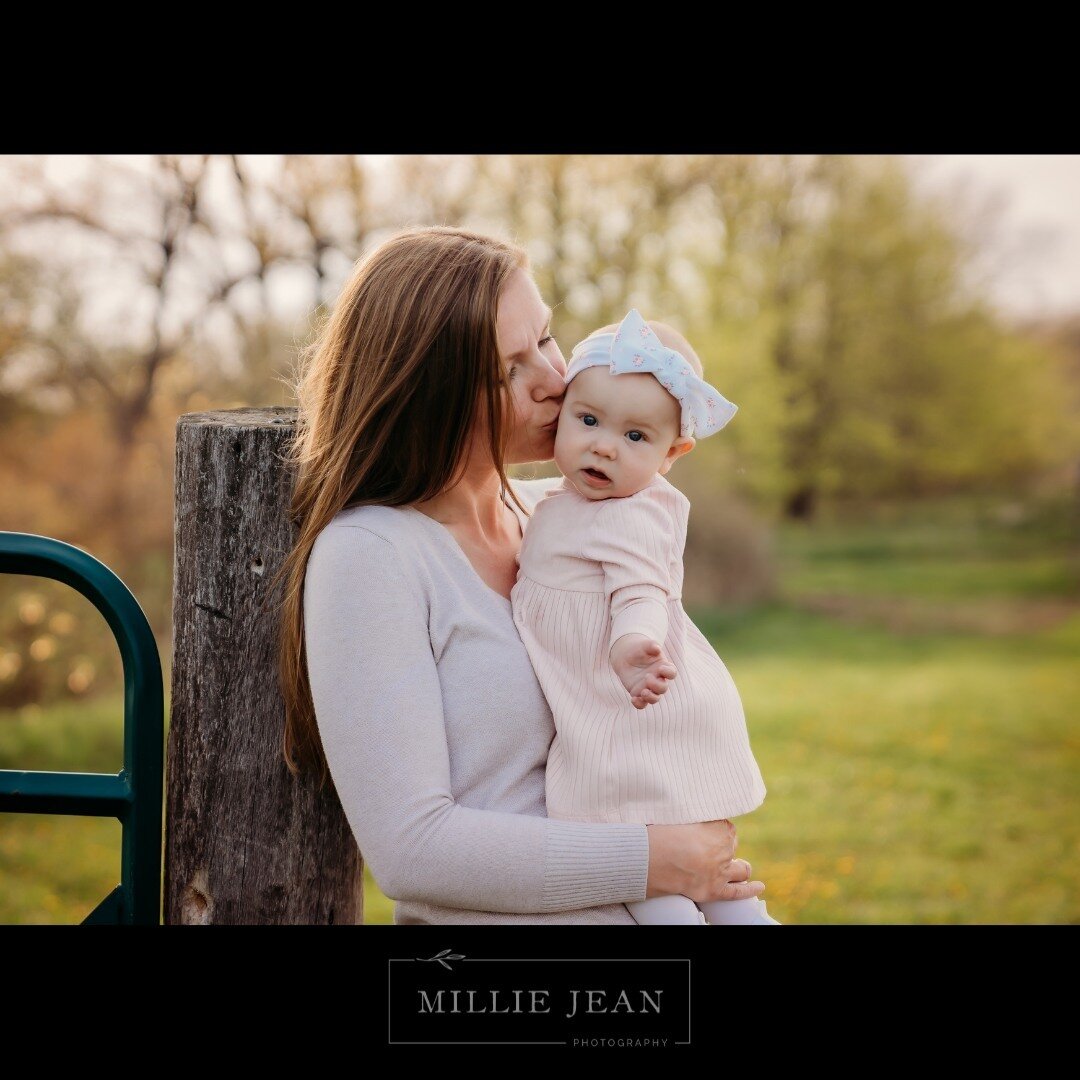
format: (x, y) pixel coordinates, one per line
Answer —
(378, 704)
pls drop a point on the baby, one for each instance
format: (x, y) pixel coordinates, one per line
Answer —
(649, 724)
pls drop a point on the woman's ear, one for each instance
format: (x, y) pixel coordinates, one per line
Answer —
(682, 445)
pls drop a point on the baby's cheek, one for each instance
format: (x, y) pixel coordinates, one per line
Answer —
(563, 449)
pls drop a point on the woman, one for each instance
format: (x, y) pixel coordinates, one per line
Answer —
(403, 674)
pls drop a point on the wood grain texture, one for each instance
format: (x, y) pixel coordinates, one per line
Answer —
(245, 840)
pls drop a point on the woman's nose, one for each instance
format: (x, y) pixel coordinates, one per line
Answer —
(553, 386)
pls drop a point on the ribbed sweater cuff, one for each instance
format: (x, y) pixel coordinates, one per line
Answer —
(647, 615)
(588, 864)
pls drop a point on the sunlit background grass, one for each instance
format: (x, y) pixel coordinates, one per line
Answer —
(912, 701)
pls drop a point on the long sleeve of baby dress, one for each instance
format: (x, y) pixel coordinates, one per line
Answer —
(590, 571)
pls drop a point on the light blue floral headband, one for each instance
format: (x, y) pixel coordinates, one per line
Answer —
(635, 348)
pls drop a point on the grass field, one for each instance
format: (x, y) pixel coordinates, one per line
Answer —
(912, 701)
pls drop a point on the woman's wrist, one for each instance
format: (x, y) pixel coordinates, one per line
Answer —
(666, 876)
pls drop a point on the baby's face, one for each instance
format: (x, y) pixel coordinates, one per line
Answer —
(622, 425)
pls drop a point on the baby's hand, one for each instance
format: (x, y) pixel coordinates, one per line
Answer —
(642, 668)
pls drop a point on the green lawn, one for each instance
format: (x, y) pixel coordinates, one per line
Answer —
(912, 701)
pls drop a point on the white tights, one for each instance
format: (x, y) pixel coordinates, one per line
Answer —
(668, 910)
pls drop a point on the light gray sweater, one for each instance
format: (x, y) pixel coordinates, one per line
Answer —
(437, 732)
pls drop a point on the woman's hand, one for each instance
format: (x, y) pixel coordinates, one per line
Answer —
(698, 861)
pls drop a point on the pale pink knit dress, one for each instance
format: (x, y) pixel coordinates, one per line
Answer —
(590, 571)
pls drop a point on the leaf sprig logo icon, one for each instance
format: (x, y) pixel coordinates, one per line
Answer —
(442, 957)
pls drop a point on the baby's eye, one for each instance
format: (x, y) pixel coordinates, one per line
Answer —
(586, 417)
(636, 432)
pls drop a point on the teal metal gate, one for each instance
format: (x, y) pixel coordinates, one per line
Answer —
(134, 794)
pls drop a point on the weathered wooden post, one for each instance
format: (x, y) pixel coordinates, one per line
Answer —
(245, 841)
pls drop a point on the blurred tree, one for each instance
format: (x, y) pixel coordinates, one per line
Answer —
(913, 384)
(604, 232)
(17, 275)
(168, 238)
(874, 366)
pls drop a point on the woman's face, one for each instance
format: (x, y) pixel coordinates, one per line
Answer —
(534, 365)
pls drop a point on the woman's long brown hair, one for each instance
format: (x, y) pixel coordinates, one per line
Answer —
(389, 392)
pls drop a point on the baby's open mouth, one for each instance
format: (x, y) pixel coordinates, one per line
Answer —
(598, 474)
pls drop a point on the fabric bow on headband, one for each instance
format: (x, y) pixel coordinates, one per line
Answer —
(635, 348)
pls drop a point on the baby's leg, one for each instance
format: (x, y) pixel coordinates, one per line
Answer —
(748, 912)
(666, 910)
